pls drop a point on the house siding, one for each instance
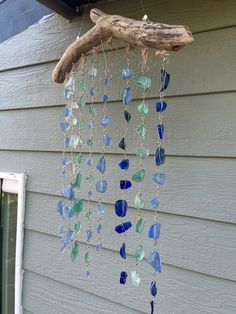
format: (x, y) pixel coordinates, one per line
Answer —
(198, 213)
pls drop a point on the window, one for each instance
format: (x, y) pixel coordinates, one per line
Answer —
(12, 203)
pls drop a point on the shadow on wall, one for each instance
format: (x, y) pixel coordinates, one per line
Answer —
(16, 16)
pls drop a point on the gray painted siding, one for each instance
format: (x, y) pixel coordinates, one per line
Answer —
(198, 217)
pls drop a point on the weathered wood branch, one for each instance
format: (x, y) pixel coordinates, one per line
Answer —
(135, 33)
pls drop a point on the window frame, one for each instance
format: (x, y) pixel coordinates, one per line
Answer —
(16, 183)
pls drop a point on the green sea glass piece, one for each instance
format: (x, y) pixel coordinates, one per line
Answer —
(90, 178)
(81, 125)
(139, 226)
(138, 201)
(78, 180)
(139, 176)
(79, 160)
(135, 278)
(139, 253)
(143, 108)
(143, 82)
(142, 152)
(88, 215)
(92, 110)
(81, 103)
(78, 207)
(77, 227)
(141, 130)
(90, 142)
(86, 258)
(74, 251)
(81, 86)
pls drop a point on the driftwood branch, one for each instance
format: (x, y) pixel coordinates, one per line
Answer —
(135, 33)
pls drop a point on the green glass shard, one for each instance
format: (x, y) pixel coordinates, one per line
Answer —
(78, 207)
(86, 258)
(138, 201)
(90, 178)
(143, 108)
(139, 253)
(77, 227)
(142, 152)
(139, 226)
(74, 251)
(135, 278)
(92, 110)
(79, 160)
(143, 82)
(81, 103)
(139, 176)
(88, 215)
(141, 130)
(81, 86)
(78, 180)
(81, 125)
(90, 142)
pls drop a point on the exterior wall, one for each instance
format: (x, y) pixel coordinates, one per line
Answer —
(198, 212)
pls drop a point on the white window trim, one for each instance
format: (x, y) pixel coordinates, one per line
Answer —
(15, 183)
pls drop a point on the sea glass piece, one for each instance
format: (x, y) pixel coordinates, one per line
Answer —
(92, 91)
(69, 212)
(106, 121)
(122, 143)
(139, 176)
(152, 307)
(77, 227)
(88, 274)
(68, 112)
(66, 142)
(127, 116)
(81, 125)
(154, 261)
(153, 288)
(90, 178)
(139, 253)
(160, 157)
(92, 72)
(123, 227)
(64, 161)
(68, 238)
(105, 99)
(78, 180)
(127, 96)
(135, 277)
(138, 201)
(98, 228)
(121, 207)
(123, 277)
(124, 164)
(125, 184)
(143, 108)
(86, 257)
(98, 246)
(100, 208)
(101, 186)
(81, 103)
(79, 159)
(139, 226)
(89, 235)
(127, 74)
(142, 152)
(61, 208)
(74, 251)
(143, 82)
(154, 232)
(91, 125)
(90, 195)
(141, 130)
(161, 106)
(64, 126)
(74, 141)
(159, 178)
(92, 110)
(155, 202)
(161, 131)
(81, 85)
(101, 166)
(89, 161)
(106, 82)
(123, 251)
(69, 192)
(90, 142)
(78, 207)
(88, 215)
(165, 79)
(107, 140)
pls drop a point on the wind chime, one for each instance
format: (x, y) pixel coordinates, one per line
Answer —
(77, 67)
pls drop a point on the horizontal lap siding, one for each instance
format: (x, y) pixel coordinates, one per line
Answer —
(197, 209)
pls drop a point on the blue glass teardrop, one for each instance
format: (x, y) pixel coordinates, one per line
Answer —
(152, 307)
(127, 74)
(155, 202)
(89, 161)
(165, 79)
(101, 166)
(66, 142)
(68, 238)
(125, 184)
(101, 186)
(60, 208)
(98, 228)
(154, 261)
(92, 91)
(105, 99)
(161, 106)
(159, 178)
(154, 232)
(127, 96)
(123, 227)
(89, 234)
(69, 212)
(160, 156)
(121, 207)
(100, 208)
(122, 143)
(161, 131)
(106, 121)
(107, 140)
(124, 164)
(106, 82)
(127, 116)
(123, 277)
(153, 288)
(123, 251)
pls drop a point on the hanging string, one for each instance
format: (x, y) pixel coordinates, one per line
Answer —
(159, 179)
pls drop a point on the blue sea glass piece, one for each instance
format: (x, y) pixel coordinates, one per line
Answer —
(69, 212)
(127, 116)
(161, 131)
(160, 157)
(68, 93)
(92, 91)
(61, 231)
(88, 274)
(66, 142)
(124, 164)
(159, 178)
(68, 238)
(61, 208)
(123, 227)
(106, 121)
(127, 74)
(152, 307)
(98, 246)
(90, 195)
(69, 192)
(154, 231)
(68, 112)
(154, 261)
(122, 143)
(127, 96)
(101, 166)
(105, 99)
(63, 174)
(98, 228)
(100, 208)
(125, 184)
(161, 106)
(89, 161)
(64, 126)
(107, 140)
(101, 186)
(123, 277)
(153, 288)
(121, 207)
(89, 234)
(64, 161)
(155, 202)
(91, 125)
(106, 82)
(165, 79)
(123, 251)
